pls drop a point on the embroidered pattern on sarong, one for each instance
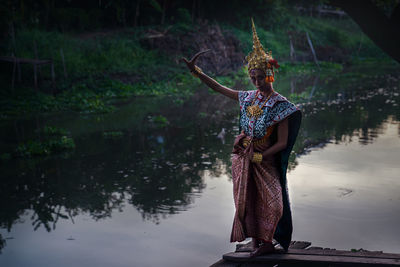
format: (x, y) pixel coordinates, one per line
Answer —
(257, 193)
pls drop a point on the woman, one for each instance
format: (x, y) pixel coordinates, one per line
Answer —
(269, 125)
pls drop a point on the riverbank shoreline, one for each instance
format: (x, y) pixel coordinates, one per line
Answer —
(95, 69)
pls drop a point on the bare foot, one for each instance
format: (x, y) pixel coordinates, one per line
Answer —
(255, 243)
(265, 248)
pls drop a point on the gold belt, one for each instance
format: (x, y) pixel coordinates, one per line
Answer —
(262, 140)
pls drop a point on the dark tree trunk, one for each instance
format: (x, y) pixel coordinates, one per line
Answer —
(395, 17)
(164, 10)
(193, 10)
(137, 13)
(384, 32)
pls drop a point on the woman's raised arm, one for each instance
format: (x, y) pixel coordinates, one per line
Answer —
(210, 82)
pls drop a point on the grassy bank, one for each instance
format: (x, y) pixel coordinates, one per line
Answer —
(105, 67)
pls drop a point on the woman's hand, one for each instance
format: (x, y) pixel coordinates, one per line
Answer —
(210, 82)
(192, 63)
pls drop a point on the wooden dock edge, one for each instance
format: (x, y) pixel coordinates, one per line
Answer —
(301, 254)
(321, 259)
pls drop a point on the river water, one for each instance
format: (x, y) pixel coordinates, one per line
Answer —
(159, 193)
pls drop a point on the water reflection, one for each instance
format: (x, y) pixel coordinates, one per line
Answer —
(2, 242)
(352, 190)
(337, 114)
(159, 168)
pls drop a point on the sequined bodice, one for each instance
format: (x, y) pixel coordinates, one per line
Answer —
(274, 110)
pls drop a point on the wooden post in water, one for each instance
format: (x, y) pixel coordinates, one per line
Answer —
(137, 13)
(53, 76)
(35, 76)
(12, 30)
(19, 71)
(36, 55)
(13, 74)
(35, 64)
(314, 87)
(63, 62)
(292, 53)
(292, 85)
(312, 50)
(35, 67)
(13, 37)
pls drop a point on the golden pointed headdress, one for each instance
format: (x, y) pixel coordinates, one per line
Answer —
(259, 59)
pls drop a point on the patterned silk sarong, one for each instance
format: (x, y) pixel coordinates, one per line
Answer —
(257, 192)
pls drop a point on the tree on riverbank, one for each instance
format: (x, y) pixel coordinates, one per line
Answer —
(116, 49)
(382, 27)
(378, 19)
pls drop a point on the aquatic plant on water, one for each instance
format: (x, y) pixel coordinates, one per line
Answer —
(53, 140)
(159, 121)
(113, 134)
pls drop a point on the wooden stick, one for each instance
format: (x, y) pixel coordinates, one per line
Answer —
(36, 56)
(137, 13)
(314, 87)
(13, 74)
(312, 50)
(292, 53)
(35, 75)
(53, 75)
(292, 85)
(19, 70)
(15, 49)
(63, 62)
(13, 37)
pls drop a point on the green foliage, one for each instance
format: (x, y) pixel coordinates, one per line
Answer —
(309, 68)
(155, 5)
(108, 65)
(336, 37)
(203, 115)
(277, 42)
(184, 16)
(5, 156)
(159, 121)
(53, 131)
(84, 54)
(52, 140)
(84, 100)
(113, 134)
(92, 95)
(339, 33)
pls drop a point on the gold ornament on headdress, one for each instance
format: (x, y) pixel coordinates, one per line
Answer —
(259, 59)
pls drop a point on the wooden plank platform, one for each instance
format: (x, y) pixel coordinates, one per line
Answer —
(26, 60)
(36, 63)
(301, 254)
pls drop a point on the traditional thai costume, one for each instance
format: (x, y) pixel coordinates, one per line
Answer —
(260, 188)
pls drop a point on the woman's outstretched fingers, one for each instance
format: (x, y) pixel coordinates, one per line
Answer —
(195, 57)
(184, 60)
(188, 63)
